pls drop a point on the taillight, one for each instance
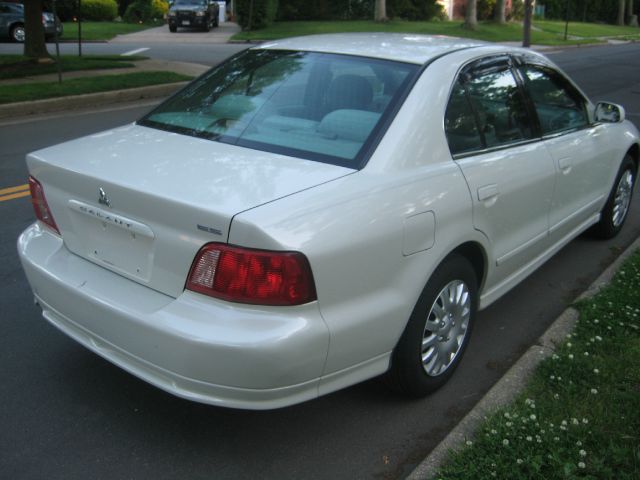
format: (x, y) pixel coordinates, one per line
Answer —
(245, 275)
(40, 206)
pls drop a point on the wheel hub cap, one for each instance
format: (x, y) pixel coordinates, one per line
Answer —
(446, 327)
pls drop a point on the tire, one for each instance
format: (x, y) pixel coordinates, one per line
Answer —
(216, 22)
(418, 366)
(615, 211)
(17, 33)
(207, 25)
(173, 28)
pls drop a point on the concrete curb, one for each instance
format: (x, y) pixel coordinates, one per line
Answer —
(91, 100)
(514, 381)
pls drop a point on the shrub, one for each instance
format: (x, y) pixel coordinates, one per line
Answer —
(418, 10)
(263, 14)
(145, 11)
(485, 9)
(583, 10)
(517, 10)
(99, 10)
(66, 9)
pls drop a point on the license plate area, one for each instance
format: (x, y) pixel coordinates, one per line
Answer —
(186, 22)
(114, 241)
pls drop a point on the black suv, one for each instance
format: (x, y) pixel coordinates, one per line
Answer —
(193, 14)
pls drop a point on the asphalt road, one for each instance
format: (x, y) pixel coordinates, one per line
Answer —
(204, 53)
(67, 414)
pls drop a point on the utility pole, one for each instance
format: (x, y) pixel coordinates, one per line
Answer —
(566, 19)
(79, 28)
(55, 36)
(528, 13)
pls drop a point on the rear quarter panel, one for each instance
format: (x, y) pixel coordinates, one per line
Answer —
(353, 230)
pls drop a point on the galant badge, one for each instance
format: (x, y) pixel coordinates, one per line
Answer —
(102, 197)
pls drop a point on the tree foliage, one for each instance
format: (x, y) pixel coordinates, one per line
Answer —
(583, 10)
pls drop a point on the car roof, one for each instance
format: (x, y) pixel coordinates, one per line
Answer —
(403, 47)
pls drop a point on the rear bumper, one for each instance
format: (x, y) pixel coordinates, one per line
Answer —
(191, 346)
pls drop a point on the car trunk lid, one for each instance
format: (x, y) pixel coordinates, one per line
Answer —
(141, 202)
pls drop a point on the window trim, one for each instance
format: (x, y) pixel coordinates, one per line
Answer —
(486, 64)
(567, 82)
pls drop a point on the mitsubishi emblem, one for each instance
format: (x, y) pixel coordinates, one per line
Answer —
(102, 197)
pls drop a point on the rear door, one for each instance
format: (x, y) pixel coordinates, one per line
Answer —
(509, 171)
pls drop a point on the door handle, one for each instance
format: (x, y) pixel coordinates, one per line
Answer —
(488, 192)
(565, 164)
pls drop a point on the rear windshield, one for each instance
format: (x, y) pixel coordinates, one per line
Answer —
(316, 106)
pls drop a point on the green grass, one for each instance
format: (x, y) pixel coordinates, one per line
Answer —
(580, 414)
(101, 31)
(550, 33)
(18, 66)
(42, 90)
(587, 30)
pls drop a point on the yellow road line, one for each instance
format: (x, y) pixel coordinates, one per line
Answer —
(4, 198)
(19, 188)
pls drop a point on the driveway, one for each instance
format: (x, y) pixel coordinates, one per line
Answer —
(220, 34)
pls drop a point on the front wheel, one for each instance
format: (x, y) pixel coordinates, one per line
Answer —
(173, 28)
(438, 330)
(614, 213)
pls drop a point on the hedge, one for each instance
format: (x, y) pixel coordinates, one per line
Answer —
(584, 10)
(262, 13)
(145, 11)
(99, 10)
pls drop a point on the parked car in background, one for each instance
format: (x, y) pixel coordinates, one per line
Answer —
(201, 14)
(12, 22)
(317, 211)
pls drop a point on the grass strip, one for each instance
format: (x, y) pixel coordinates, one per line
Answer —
(102, 31)
(18, 66)
(587, 30)
(580, 415)
(78, 86)
(489, 31)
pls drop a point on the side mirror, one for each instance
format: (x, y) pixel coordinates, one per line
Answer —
(609, 113)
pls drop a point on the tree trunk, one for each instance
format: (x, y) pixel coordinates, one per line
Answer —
(381, 11)
(499, 15)
(34, 45)
(629, 8)
(621, 5)
(471, 15)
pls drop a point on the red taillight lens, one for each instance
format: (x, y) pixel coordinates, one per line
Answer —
(259, 277)
(40, 205)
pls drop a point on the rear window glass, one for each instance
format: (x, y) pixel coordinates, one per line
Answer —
(316, 106)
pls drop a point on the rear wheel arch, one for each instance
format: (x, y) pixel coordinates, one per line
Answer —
(475, 253)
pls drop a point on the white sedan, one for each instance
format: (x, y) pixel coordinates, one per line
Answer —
(318, 211)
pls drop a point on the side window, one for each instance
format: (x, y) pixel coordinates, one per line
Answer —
(500, 107)
(558, 105)
(460, 123)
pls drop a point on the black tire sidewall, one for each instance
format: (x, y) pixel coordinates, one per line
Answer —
(407, 357)
(605, 228)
